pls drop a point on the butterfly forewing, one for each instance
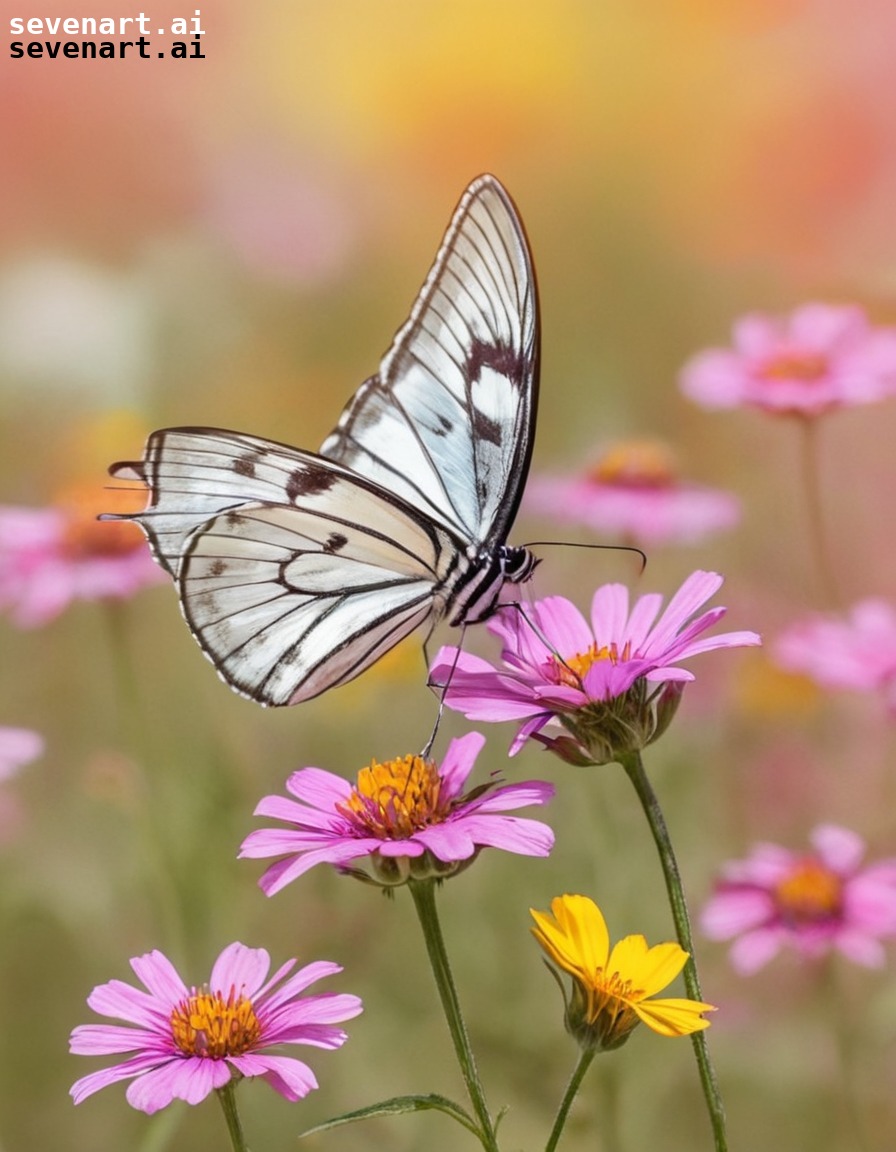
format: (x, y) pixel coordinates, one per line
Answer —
(447, 423)
(195, 473)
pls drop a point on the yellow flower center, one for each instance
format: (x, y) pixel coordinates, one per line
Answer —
(86, 536)
(571, 670)
(805, 368)
(809, 893)
(636, 464)
(393, 800)
(205, 1024)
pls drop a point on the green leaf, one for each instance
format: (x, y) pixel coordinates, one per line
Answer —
(395, 1107)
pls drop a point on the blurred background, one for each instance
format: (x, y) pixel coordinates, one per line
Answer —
(233, 241)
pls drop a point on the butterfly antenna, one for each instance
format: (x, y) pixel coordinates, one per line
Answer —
(576, 544)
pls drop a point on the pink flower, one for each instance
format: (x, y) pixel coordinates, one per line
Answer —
(409, 816)
(634, 491)
(52, 556)
(812, 901)
(818, 358)
(857, 652)
(18, 746)
(189, 1041)
(595, 680)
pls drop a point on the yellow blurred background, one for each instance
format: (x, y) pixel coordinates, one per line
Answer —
(232, 241)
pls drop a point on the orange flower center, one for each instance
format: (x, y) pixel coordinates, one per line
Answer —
(803, 368)
(86, 536)
(810, 893)
(636, 464)
(393, 800)
(205, 1024)
(571, 670)
(608, 993)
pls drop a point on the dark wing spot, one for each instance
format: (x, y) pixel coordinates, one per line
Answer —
(498, 357)
(309, 480)
(217, 568)
(245, 465)
(335, 543)
(485, 428)
(445, 425)
(233, 519)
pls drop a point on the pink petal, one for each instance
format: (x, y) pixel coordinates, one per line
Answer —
(458, 761)
(241, 968)
(839, 848)
(299, 981)
(103, 1078)
(318, 788)
(728, 913)
(160, 976)
(754, 950)
(112, 1039)
(286, 1075)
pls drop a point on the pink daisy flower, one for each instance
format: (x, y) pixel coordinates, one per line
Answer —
(818, 358)
(52, 556)
(814, 902)
(18, 747)
(634, 492)
(613, 684)
(410, 817)
(857, 652)
(188, 1041)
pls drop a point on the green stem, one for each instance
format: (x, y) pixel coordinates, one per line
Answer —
(227, 1096)
(424, 896)
(846, 1034)
(818, 545)
(634, 768)
(569, 1095)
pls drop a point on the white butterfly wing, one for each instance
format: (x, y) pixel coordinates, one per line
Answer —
(448, 422)
(288, 602)
(195, 473)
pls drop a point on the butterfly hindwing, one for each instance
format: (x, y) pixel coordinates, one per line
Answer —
(288, 602)
(448, 421)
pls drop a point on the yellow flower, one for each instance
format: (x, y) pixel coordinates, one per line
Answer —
(611, 989)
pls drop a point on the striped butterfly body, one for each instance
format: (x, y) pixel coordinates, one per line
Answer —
(297, 570)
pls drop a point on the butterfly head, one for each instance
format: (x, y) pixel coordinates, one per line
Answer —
(517, 564)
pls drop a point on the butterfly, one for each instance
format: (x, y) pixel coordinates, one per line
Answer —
(297, 570)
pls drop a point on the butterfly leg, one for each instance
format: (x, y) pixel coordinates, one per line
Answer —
(427, 748)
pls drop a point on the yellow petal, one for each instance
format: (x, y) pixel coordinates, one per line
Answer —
(646, 969)
(673, 1017)
(576, 938)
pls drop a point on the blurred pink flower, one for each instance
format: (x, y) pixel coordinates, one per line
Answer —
(409, 816)
(190, 1041)
(592, 678)
(52, 556)
(818, 358)
(18, 746)
(856, 652)
(633, 491)
(812, 901)
(277, 217)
